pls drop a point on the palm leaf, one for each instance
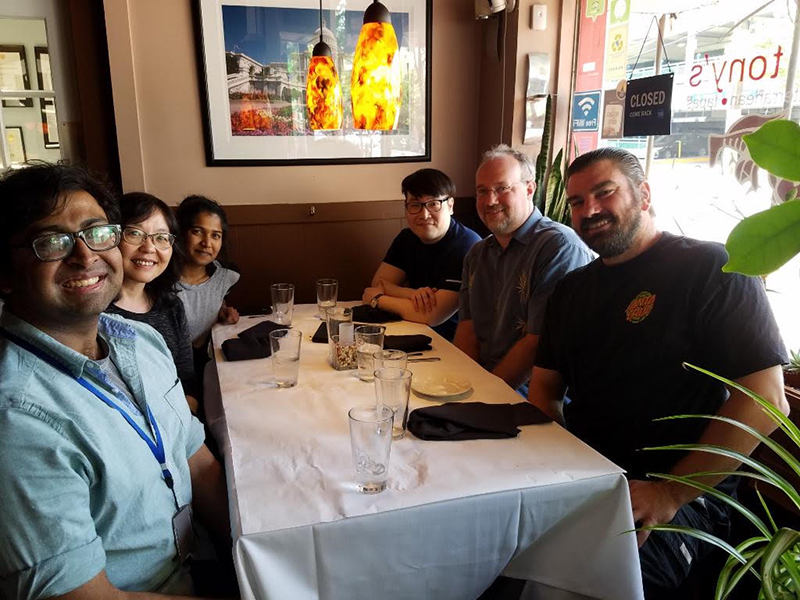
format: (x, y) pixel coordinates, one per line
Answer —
(733, 571)
(702, 535)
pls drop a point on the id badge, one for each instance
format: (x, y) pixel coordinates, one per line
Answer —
(183, 532)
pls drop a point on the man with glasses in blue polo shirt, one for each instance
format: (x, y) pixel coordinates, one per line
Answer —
(420, 276)
(509, 275)
(98, 463)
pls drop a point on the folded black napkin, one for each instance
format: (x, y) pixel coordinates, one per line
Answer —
(246, 348)
(473, 420)
(407, 343)
(366, 314)
(321, 334)
(262, 330)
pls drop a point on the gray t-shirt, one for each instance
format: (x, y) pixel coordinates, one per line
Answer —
(203, 301)
(504, 291)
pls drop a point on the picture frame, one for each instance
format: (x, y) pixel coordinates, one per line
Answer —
(47, 106)
(14, 75)
(253, 58)
(15, 142)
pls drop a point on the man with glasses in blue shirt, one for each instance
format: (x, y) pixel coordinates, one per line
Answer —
(509, 276)
(420, 276)
(98, 462)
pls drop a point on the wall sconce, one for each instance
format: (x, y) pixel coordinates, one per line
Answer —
(323, 90)
(375, 85)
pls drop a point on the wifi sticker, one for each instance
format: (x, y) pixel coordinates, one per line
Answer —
(585, 111)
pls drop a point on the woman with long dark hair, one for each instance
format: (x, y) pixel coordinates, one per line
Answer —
(152, 264)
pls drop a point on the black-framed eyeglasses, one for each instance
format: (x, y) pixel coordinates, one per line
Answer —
(497, 190)
(136, 237)
(58, 246)
(434, 205)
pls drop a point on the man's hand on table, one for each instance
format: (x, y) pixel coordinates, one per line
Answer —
(653, 503)
(371, 292)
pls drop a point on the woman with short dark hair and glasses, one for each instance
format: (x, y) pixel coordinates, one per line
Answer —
(420, 276)
(152, 265)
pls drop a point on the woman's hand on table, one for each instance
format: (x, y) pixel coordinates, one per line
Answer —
(228, 315)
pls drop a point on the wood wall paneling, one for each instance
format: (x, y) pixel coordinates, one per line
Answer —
(299, 243)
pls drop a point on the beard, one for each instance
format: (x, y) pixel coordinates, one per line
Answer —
(618, 237)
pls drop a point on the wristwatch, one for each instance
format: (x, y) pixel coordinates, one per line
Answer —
(374, 302)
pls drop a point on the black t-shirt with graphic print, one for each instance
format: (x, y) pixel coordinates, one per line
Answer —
(619, 335)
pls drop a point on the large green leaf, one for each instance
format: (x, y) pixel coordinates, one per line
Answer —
(775, 146)
(765, 241)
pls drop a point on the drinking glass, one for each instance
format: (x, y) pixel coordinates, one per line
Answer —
(282, 302)
(390, 358)
(392, 388)
(285, 344)
(371, 441)
(369, 340)
(327, 291)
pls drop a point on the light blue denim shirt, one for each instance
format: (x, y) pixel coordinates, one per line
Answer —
(504, 291)
(80, 491)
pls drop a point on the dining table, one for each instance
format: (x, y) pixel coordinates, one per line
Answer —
(542, 506)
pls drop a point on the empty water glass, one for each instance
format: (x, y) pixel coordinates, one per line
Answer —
(327, 292)
(285, 344)
(369, 339)
(390, 358)
(371, 441)
(282, 302)
(392, 389)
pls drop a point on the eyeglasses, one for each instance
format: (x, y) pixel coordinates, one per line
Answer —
(497, 190)
(58, 246)
(433, 206)
(136, 237)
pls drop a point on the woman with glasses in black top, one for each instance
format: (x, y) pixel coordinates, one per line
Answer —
(152, 265)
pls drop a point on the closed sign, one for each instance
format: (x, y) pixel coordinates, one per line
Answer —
(648, 106)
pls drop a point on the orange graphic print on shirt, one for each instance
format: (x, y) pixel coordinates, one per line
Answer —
(640, 307)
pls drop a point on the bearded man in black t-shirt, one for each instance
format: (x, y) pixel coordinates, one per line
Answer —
(616, 333)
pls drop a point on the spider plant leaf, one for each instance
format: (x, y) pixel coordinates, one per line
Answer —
(784, 454)
(702, 535)
(783, 541)
(707, 489)
(732, 572)
(766, 509)
(784, 422)
(775, 478)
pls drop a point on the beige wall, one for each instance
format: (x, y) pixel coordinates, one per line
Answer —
(159, 120)
(520, 39)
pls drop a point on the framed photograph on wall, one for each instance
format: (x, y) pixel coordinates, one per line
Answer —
(47, 106)
(253, 57)
(15, 142)
(14, 75)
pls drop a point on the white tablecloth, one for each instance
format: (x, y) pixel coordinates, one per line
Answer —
(543, 507)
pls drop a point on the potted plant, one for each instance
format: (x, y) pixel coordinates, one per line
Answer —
(791, 372)
(759, 245)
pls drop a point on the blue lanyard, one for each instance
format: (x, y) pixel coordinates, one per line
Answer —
(156, 448)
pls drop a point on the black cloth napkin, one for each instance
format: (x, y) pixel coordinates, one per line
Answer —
(321, 334)
(455, 421)
(262, 330)
(366, 314)
(246, 348)
(407, 343)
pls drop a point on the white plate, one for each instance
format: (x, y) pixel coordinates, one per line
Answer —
(441, 386)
